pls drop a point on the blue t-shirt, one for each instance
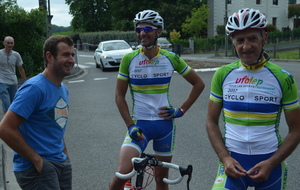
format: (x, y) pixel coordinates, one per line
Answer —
(45, 108)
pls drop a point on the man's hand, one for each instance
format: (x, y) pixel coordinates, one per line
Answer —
(233, 168)
(39, 165)
(135, 132)
(261, 171)
(170, 112)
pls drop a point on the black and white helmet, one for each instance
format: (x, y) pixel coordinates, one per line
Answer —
(149, 16)
(244, 19)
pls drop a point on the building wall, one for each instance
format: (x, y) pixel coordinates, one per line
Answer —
(217, 12)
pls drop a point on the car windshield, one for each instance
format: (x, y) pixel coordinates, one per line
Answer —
(163, 41)
(115, 46)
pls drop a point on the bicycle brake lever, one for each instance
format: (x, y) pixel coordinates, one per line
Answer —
(188, 172)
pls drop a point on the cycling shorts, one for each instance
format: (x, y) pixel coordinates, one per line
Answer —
(162, 132)
(276, 181)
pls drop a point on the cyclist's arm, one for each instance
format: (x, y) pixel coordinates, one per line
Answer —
(213, 130)
(293, 137)
(121, 89)
(198, 85)
(286, 148)
(232, 167)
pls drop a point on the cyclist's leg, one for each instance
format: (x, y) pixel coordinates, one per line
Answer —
(129, 149)
(124, 166)
(277, 179)
(163, 145)
(161, 173)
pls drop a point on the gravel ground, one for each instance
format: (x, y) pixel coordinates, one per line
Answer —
(195, 64)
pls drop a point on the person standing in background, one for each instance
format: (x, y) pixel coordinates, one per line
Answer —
(9, 59)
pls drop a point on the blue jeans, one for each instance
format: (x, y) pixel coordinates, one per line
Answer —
(7, 94)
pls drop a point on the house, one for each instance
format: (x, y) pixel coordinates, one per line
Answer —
(294, 22)
(276, 12)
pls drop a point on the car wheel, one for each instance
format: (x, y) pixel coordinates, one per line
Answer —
(102, 66)
(97, 65)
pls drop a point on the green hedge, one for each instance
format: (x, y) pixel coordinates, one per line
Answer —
(92, 39)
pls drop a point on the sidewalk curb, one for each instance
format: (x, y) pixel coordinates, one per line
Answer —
(8, 179)
(2, 176)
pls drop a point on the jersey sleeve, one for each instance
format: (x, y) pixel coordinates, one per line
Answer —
(290, 91)
(124, 66)
(216, 92)
(178, 63)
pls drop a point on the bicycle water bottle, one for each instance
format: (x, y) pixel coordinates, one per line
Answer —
(128, 186)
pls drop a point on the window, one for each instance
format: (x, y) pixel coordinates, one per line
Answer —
(274, 21)
(228, 1)
(275, 2)
(258, 2)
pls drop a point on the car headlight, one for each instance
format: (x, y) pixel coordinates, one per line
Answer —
(107, 57)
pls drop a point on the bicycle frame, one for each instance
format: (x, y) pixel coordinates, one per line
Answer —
(140, 164)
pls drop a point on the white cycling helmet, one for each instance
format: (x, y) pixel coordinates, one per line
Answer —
(149, 16)
(244, 19)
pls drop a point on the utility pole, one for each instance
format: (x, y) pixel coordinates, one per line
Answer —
(48, 16)
(225, 21)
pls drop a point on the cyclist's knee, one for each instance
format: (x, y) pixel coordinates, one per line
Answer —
(117, 184)
(160, 174)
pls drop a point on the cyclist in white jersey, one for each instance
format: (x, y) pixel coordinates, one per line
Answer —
(147, 72)
(251, 93)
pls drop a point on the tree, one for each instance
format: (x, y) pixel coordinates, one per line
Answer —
(89, 15)
(196, 25)
(104, 15)
(294, 11)
(28, 30)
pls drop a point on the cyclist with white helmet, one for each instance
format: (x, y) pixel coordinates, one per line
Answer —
(251, 94)
(147, 72)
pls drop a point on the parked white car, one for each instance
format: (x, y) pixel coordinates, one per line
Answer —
(109, 53)
(163, 43)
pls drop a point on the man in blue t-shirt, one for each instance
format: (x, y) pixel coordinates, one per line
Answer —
(35, 123)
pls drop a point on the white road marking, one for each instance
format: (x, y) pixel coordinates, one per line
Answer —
(100, 78)
(75, 81)
(85, 55)
(84, 66)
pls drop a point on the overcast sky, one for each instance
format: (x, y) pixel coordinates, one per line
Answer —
(58, 9)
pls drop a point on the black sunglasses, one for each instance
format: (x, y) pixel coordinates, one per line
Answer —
(145, 29)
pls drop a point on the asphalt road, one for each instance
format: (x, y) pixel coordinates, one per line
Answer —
(95, 129)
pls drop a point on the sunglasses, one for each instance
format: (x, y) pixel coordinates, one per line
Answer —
(145, 29)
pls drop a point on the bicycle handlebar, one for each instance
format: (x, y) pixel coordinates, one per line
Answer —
(149, 159)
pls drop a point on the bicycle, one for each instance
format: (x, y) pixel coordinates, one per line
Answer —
(148, 160)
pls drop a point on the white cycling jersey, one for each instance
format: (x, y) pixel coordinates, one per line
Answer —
(252, 100)
(149, 80)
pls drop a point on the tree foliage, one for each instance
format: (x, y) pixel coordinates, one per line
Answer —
(294, 11)
(89, 15)
(28, 30)
(196, 25)
(117, 15)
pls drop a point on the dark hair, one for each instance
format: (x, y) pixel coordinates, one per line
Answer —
(51, 45)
